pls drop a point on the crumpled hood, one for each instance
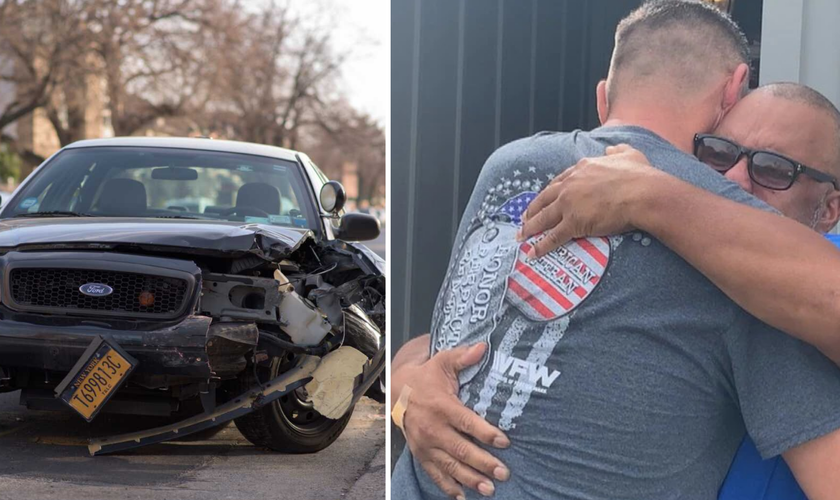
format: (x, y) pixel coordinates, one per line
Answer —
(192, 234)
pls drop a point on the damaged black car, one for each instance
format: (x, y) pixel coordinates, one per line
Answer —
(200, 280)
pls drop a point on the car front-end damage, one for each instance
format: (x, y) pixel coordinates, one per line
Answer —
(215, 314)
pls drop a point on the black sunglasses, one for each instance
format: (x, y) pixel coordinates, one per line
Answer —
(765, 168)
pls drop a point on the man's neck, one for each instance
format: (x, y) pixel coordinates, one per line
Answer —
(671, 126)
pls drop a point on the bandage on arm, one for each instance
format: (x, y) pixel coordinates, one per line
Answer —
(400, 407)
(412, 353)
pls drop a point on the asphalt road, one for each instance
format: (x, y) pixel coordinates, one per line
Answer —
(44, 457)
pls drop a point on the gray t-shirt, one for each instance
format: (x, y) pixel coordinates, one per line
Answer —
(617, 369)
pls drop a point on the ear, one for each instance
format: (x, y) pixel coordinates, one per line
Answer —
(830, 213)
(601, 99)
(734, 89)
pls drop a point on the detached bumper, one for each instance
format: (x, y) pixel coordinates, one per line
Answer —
(176, 350)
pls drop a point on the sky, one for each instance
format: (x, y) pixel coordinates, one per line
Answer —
(363, 28)
(368, 75)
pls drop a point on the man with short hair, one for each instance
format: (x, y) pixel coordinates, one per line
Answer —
(614, 367)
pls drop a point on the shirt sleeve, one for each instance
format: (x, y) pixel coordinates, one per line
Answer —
(788, 392)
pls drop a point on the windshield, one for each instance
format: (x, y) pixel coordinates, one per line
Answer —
(168, 183)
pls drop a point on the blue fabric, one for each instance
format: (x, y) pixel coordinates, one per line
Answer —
(834, 238)
(751, 478)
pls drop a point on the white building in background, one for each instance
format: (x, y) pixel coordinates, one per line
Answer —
(7, 93)
(800, 41)
(35, 133)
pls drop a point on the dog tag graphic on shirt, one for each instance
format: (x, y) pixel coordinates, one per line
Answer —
(475, 290)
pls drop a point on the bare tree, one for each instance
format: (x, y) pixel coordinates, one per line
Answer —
(370, 150)
(148, 51)
(66, 105)
(38, 41)
(267, 75)
(352, 138)
(276, 75)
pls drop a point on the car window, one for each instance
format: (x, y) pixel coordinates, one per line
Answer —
(212, 187)
(33, 204)
(162, 182)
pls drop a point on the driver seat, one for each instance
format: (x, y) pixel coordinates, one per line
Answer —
(259, 195)
(123, 198)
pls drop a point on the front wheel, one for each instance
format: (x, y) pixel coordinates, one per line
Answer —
(289, 424)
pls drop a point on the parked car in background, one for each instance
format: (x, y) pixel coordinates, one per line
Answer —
(192, 278)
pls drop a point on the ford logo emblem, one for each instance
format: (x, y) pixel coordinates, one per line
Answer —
(96, 289)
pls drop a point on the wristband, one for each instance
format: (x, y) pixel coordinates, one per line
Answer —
(398, 413)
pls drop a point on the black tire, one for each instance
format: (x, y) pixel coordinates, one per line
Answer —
(289, 424)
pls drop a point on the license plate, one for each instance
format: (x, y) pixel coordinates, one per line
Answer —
(96, 377)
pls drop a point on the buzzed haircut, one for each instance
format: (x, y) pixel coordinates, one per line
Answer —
(804, 94)
(682, 42)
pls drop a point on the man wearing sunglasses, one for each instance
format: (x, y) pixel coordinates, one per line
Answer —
(766, 168)
(614, 369)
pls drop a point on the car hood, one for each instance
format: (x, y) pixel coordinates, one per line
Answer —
(185, 234)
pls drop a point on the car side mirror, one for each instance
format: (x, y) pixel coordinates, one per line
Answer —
(332, 197)
(358, 227)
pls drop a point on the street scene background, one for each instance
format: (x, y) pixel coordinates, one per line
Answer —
(302, 75)
(310, 76)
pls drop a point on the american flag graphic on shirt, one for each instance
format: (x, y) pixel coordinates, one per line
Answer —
(552, 286)
(516, 206)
